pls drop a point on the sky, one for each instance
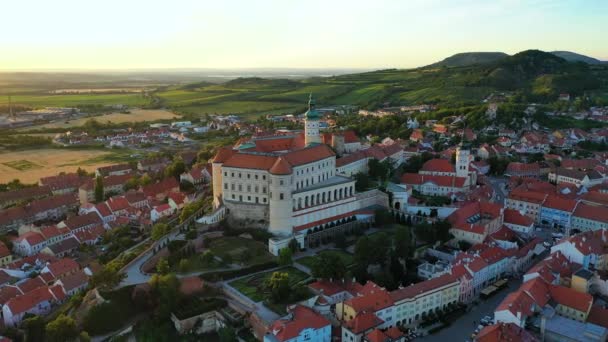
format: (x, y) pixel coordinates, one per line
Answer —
(137, 34)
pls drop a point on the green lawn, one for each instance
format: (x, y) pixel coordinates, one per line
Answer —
(347, 258)
(253, 286)
(247, 251)
(195, 263)
(47, 100)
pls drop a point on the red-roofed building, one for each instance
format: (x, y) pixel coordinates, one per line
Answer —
(363, 323)
(571, 303)
(435, 185)
(588, 217)
(61, 268)
(518, 222)
(161, 211)
(177, 200)
(29, 243)
(161, 189)
(390, 335)
(36, 302)
(556, 211)
(302, 324)
(527, 202)
(504, 332)
(475, 221)
(516, 169)
(438, 167)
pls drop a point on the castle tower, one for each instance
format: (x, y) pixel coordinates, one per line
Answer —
(280, 203)
(463, 156)
(311, 123)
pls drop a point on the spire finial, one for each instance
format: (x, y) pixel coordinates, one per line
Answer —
(311, 101)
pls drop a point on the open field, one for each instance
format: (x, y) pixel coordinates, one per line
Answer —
(247, 251)
(74, 100)
(30, 165)
(135, 115)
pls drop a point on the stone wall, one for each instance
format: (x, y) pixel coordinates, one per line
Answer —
(247, 215)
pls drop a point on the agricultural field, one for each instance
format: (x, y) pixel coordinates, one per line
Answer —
(135, 115)
(309, 261)
(254, 288)
(74, 100)
(30, 165)
(247, 251)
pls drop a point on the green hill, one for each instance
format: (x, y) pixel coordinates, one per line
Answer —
(533, 76)
(575, 57)
(470, 58)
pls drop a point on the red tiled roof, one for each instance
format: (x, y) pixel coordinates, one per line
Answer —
(515, 302)
(514, 217)
(538, 290)
(302, 318)
(31, 284)
(445, 181)
(598, 315)
(438, 165)
(177, 197)
(377, 335)
(571, 298)
(63, 266)
(80, 221)
(309, 154)
(250, 161)
(595, 198)
(223, 154)
(363, 321)
(503, 332)
(103, 209)
(372, 298)
(8, 292)
(559, 203)
(23, 303)
(591, 213)
(75, 280)
(33, 238)
(515, 167)
(422, 287)
(527, 196)
(351, 158)
(25, 194)
(281, 167)
(330, 288)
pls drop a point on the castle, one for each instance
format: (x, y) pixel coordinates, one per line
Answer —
(287, 183)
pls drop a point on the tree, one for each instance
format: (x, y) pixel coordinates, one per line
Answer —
(99, 189)
(145, 180)
(159, 230)
(35, 329)
(363, 251)
(207, 257)
(183, 265)
(108, 277)
(285, 255)
(378, 251)
(403, 242)
(82, 172)
(362, 182)
(396, 269)
(293, 245)
(84, 337)
(340, 241)
(279, 286)
(166, 291)
(162, 267)
(227, 334)
(328, 266)
(63, 328)
(176, 168)
(383, 217)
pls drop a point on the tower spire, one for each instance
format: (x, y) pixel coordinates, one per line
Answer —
(311, 101)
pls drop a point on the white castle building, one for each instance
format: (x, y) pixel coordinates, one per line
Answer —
(289, 184)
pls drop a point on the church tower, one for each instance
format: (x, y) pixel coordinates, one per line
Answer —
(311, 123)
(463, 159)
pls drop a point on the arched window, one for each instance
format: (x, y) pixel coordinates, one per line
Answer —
(335, 194)
(323, 198)
(300, 203)
(340, 194)
(318, 201)
(306, 202)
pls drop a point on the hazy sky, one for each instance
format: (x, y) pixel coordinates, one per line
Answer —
(116, 34)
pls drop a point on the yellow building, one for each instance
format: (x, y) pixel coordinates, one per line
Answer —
(571, 303)
(581, 280)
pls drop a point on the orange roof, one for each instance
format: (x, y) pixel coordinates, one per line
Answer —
(309, 154)
(377, 335)
(251, 161)
(517, 301)
(538, 290)
(223, 154)
(281, 167)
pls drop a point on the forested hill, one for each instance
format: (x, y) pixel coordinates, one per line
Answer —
(532, 76)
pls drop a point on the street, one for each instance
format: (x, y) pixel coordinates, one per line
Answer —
(498, 184)
(462, 328)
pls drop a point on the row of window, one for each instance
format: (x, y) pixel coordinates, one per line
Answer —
(247, 175)
(249, 187)
(311, 181)
(322, 198)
